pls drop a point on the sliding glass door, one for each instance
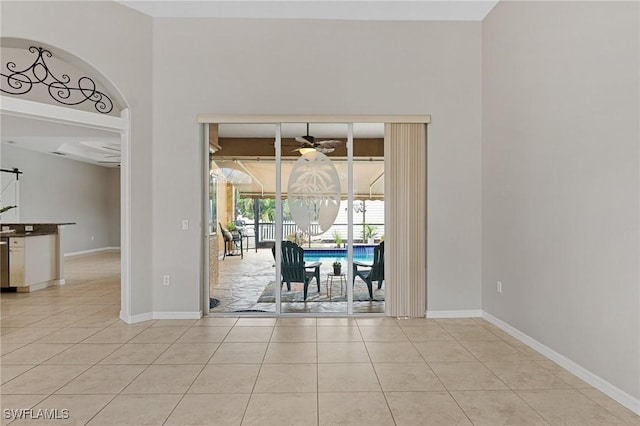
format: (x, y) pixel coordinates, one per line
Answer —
(296, 215)
(314, 182)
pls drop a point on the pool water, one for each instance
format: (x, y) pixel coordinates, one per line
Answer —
(361, 253)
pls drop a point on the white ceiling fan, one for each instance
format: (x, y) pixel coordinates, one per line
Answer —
(309, 143)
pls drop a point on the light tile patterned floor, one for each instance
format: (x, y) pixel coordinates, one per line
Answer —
(64, 348)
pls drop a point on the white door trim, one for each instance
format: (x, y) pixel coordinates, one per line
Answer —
(311, 118)
(58, 114)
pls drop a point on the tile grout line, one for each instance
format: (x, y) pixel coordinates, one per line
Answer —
(447, 390)
(197, 375)
(509, 388)
(255, 382)
(384, 395)
(142, 371)
(610, 411)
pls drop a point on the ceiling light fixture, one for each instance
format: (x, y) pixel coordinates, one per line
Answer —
(304, 151)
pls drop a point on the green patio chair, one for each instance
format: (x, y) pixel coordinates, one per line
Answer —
(375, 271)
(295, 269)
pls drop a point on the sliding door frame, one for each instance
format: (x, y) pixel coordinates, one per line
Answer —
(277, 120)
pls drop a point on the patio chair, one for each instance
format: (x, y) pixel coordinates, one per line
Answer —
(375, 271)
(246, 232)
(235, 240)
(294, 269)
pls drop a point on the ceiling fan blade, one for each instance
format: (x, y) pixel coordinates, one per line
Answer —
(307, 140)
(329, 143)
(108, 162)
(325, 150)
(112, 156)
(110, 148)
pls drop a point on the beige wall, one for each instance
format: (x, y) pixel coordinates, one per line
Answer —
(114, 207)
(560, 179)
(56, 189)
(340, 67)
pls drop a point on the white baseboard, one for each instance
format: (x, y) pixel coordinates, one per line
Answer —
(177, 315)
(159, 315)
(39, 286)
(470, 313)
(132, 319)
(597, 382)
(79, 253)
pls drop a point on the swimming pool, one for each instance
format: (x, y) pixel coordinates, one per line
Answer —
(361, 253)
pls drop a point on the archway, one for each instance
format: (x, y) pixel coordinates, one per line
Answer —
(46, 84)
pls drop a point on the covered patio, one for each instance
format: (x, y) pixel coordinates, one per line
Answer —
(243, 199)
(241, 283)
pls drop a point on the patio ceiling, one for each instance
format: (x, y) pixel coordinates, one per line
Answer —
(368, 176)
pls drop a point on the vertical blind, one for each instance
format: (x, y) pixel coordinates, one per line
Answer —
(405, 148)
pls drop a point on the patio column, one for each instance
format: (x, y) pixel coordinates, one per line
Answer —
(405, 148)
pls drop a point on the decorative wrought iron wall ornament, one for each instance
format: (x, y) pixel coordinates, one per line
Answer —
(21, 81)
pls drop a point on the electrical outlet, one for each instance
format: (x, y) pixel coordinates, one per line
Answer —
(93, 238)
(185, 225)
(499, 286)
(28, 228)
(166, 280)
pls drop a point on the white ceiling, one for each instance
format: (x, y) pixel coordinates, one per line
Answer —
(420, 10)
(75, 142)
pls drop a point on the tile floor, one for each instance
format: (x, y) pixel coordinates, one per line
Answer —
(65, 348)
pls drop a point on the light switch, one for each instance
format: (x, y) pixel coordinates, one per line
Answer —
(185, 225)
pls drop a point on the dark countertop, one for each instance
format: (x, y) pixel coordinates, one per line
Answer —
(37, 223)
(19, 229)
(27, 234)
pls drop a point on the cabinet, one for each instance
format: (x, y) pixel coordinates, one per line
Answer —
(32, 260)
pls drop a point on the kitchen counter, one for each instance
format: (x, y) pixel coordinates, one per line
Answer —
(31, 229)
(35, 258)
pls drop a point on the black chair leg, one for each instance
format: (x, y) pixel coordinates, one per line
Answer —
(370, 287)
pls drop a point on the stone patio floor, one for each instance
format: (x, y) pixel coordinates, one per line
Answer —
(241, 281)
